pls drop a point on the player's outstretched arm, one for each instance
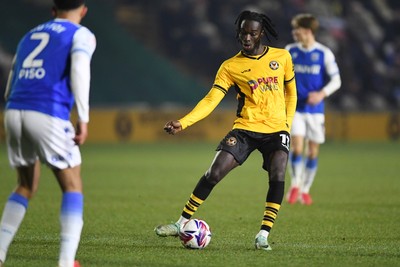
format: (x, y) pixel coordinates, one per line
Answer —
(200, 111)
(173, 127)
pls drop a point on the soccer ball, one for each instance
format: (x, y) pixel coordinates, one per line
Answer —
(195, 234)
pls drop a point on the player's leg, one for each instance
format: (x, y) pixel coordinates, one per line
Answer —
(222, 164)
(316, 136)
(309, 172)
(13, 214)
(71, 215)
(21, 156)
(296, 168)
(296, 157)
(17, 204)
(55, 137)
(276, 165)
(233, 150)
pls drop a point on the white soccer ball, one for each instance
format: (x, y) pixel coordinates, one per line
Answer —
(195, 234)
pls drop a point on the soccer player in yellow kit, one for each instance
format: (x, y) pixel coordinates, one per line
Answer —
(263, 78)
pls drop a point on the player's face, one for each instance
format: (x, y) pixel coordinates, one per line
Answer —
(300, 34)
(250, 37)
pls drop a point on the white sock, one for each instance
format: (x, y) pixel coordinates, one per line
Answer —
(296, 171)
(309, 176)
(71, 228)
(182, 220)
(70, 236)
(13, 214)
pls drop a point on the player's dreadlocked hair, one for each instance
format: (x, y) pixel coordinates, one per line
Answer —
(267, 25)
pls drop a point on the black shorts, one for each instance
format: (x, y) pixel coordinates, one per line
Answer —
(241, 143)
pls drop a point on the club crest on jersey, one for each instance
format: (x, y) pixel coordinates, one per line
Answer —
(231, 141)
(274, 65)
(314, 57)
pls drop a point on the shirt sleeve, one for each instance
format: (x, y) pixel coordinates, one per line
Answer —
(203, 108)
(290, 91)
(332, 70)
(218, 91)
(83, 47)
(84, 41)
(290, 101)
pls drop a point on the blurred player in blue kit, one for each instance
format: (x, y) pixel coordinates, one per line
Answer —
(317, 77)
(51, 72)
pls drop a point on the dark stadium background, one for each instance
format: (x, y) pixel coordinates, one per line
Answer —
(150, 52)
(161, 54)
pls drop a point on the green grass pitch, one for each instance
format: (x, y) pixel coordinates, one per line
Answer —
(130, 188)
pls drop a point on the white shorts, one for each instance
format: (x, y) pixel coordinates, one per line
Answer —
(31, 135)
(310, 126)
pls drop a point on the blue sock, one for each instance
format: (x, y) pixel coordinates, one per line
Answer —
(19, 199)
(311, 163)
(72, 203)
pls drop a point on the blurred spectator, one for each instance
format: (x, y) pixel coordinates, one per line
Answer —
(362, 34)
(197, 36)
(5, 66)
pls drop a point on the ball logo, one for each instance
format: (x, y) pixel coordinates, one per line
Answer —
(274, 65)
(231, 141)
(195, 234)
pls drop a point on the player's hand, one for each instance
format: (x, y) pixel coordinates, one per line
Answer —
(81, 133)
(173, 127)
(315, 98)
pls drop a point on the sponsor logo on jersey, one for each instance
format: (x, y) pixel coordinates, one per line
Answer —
(264, 84)
(307, 69)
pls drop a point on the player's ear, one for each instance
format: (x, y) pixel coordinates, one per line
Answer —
(54, 11)
(84, 11)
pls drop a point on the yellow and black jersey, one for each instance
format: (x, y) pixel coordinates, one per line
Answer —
(266, 91)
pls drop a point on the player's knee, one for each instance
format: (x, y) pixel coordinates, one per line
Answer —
(214, 176)
(277, 172)
(277, 176)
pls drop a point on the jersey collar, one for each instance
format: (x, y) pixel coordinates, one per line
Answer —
(257, 57)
